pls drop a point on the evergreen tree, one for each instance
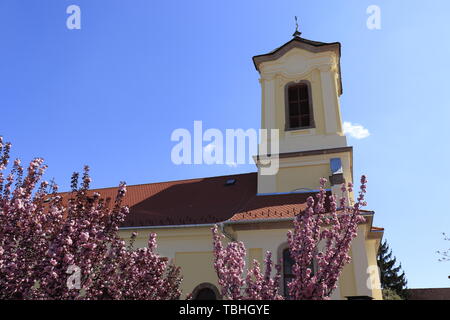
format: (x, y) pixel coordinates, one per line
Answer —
(392, 278)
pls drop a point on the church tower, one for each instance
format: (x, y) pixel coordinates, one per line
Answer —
(301, 85)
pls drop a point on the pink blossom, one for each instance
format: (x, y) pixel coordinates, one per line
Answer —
(229, 263)
(84, 236)
(42, 237)
(336, 229)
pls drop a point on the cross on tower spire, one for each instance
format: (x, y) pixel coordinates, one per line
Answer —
(297, 33)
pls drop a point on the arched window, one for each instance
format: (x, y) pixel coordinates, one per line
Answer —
(206, 291)
(288, 263)
(299, 113)
(205, 294)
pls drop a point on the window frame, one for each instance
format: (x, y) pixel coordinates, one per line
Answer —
(287, 126)
(206, 285)
(285, 277)
(283, 286)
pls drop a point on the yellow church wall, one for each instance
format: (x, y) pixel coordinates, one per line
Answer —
(353, 281)
(290, 179)
(360, 259)
(339, 113)
(372, 249)
(188, 247)
(173, 240)
(255, 254)
(347, 285)
(305, 172)
(264, 108)
(197, 268)
(364, 278)
(263, 239)
(191, 249)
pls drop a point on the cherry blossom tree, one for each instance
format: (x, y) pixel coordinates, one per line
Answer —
(263, 287)
(323, 238)
(229, 263)
(66, 246)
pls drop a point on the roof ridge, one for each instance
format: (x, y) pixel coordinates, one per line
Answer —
(169, 181)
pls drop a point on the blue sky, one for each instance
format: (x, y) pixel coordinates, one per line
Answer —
(110, 95)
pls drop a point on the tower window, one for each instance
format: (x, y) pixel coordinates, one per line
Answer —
(299, 113)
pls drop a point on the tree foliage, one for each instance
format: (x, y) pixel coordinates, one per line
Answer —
(391, 276)
(389, 294)
(229, 263)
(335, 228)
(66, 246)
(331, 226)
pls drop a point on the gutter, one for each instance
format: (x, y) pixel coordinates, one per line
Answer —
(222, 225)
(366, 214)
(175, 226)
(259, 220)
(222, 229)
(292, 192)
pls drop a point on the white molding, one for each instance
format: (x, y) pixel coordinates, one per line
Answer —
(290, 164)
(293, 134)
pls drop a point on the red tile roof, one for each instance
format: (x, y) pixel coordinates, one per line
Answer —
(210, 200)
(204, 200)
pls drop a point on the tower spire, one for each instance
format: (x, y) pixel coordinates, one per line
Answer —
(297, 33)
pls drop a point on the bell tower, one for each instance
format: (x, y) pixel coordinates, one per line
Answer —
(301, 85)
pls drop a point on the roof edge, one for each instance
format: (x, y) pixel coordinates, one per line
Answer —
(302, 43)
(309, 152)
(309, 45)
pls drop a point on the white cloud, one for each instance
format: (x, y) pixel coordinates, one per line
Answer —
(356, 131)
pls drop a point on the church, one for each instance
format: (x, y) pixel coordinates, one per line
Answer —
(300, 86)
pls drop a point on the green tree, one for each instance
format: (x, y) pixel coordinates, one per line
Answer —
(389, 294)
(391, 276)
